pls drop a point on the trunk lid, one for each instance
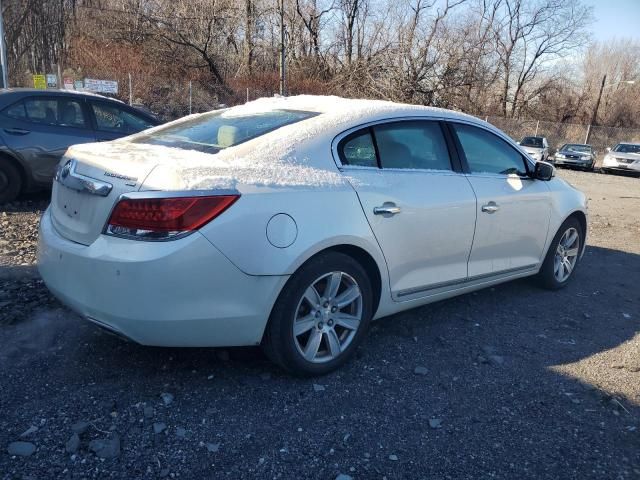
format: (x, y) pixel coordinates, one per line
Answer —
(90, 179)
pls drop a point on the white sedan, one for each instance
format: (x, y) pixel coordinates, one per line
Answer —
(291, 223)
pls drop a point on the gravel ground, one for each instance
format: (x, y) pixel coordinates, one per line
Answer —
(510, 382)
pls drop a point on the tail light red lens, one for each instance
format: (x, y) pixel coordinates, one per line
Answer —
(162, 218)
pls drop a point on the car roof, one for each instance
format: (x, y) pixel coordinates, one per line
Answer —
(12, 94)
(340, 108)
(629, 143)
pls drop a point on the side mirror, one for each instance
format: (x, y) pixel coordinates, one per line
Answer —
(544, 171)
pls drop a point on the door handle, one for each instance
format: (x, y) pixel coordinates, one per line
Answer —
(388, 208)
(16, 131)
(491, 207)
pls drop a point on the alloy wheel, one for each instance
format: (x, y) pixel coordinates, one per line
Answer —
(566, 255)
(328, 317)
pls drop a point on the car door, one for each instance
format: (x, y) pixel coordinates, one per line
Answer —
(513, 209)
(39, 130)
(421, 210)
(114, 121)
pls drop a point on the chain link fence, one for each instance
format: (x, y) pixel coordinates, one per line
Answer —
(560, 133)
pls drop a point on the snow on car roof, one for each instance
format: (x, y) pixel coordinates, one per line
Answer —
(294, 155)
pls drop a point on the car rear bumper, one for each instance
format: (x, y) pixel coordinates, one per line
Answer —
(179, 293)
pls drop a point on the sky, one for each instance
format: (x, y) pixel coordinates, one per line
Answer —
(615, 18)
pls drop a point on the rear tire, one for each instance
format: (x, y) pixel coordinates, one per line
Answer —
(321, 316)
(10, 181)
(563, 256)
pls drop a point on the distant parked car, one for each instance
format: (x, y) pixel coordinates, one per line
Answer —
(536, 147)
(37, 127)
(575, 155)
(624, 157)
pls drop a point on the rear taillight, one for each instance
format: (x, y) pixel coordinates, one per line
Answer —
(165, 218)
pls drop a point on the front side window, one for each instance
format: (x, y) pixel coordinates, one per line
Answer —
(110, 118)
(412, 145)
(215, 131)
(357, 150)
(487, 153)
(61, 112)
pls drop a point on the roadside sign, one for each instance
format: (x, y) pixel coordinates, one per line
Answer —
(78, 85)
(40, 82)
(101, 86)
(68, 83)
(52, 80)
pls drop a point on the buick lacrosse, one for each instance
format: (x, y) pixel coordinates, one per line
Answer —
(291, 223)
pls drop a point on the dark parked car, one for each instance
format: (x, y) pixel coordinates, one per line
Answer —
(578, 155)
(37, 127)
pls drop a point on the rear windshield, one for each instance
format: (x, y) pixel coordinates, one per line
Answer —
(576, 148)
(535, 142)
(626, 148)
(214, 131)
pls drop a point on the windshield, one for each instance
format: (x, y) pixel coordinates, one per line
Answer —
(572, 147)
(535, 142)
(627, 148)
(214, 131)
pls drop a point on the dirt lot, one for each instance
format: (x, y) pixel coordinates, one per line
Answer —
(520, 382)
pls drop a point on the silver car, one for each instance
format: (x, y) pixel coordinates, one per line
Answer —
(624, 157)
(536, 147)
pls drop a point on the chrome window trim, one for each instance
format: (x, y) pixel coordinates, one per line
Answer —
(336, 140)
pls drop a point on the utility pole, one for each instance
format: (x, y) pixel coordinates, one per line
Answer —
(594, 119)
(283, 73)
(4, 77)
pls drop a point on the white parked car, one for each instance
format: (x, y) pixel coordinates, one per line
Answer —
(624, 157)
(293, 222)
(536, 147)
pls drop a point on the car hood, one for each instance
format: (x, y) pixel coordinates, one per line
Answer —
(533, 150)
(574, 152)
(629, 156)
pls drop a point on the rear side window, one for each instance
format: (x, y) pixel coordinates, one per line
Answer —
(214, 131)
(63, 112)
(110, 118)
(357, 149)
(487, 153)
(412, 145)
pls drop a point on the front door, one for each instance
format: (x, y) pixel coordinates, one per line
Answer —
(513, 209)
(421, 211)
(42, 128)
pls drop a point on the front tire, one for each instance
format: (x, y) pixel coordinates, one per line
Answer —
(563, 256)
(321, 316)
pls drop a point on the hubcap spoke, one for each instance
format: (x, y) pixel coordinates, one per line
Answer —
(567, 266)
(303, 325)
(571, 252)
(334, 342)
(571, 238)
(313, 344)
(312, 296)
(347, 321)
(333, 285)
(348, 296)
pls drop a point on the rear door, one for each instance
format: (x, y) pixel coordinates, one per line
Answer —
(420, 209)
(513, 209)
(39, 130)
(113, 121)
